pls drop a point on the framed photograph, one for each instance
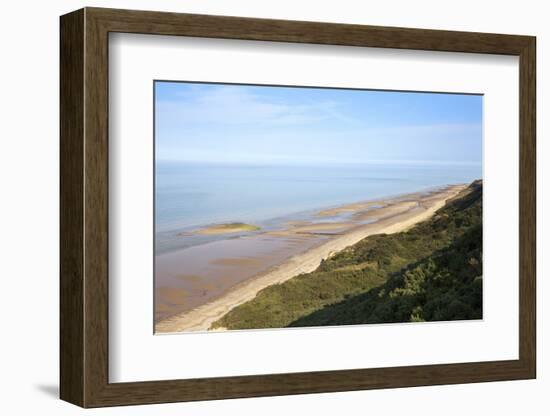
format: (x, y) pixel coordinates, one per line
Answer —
(254, 207)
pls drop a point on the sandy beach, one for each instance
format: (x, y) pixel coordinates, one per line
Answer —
(352, 223)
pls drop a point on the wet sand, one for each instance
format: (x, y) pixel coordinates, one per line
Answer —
(205, 272)
(196, 286)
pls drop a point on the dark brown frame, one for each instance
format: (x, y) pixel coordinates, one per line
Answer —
(84, 207)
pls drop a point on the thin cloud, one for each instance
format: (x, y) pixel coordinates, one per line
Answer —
(241, 106)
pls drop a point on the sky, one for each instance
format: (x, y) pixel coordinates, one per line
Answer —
(223, 123)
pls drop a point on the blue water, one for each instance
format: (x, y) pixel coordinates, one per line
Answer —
(193, 194)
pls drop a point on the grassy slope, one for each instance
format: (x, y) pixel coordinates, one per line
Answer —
(431, 272)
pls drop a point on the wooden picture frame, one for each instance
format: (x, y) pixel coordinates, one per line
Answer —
(84, 207)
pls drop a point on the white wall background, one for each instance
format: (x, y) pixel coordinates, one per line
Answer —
(29, 208)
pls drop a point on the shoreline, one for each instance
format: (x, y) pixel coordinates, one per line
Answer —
(272, 225)
(412, 212)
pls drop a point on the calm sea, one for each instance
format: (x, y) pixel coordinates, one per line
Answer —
(189, 195)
